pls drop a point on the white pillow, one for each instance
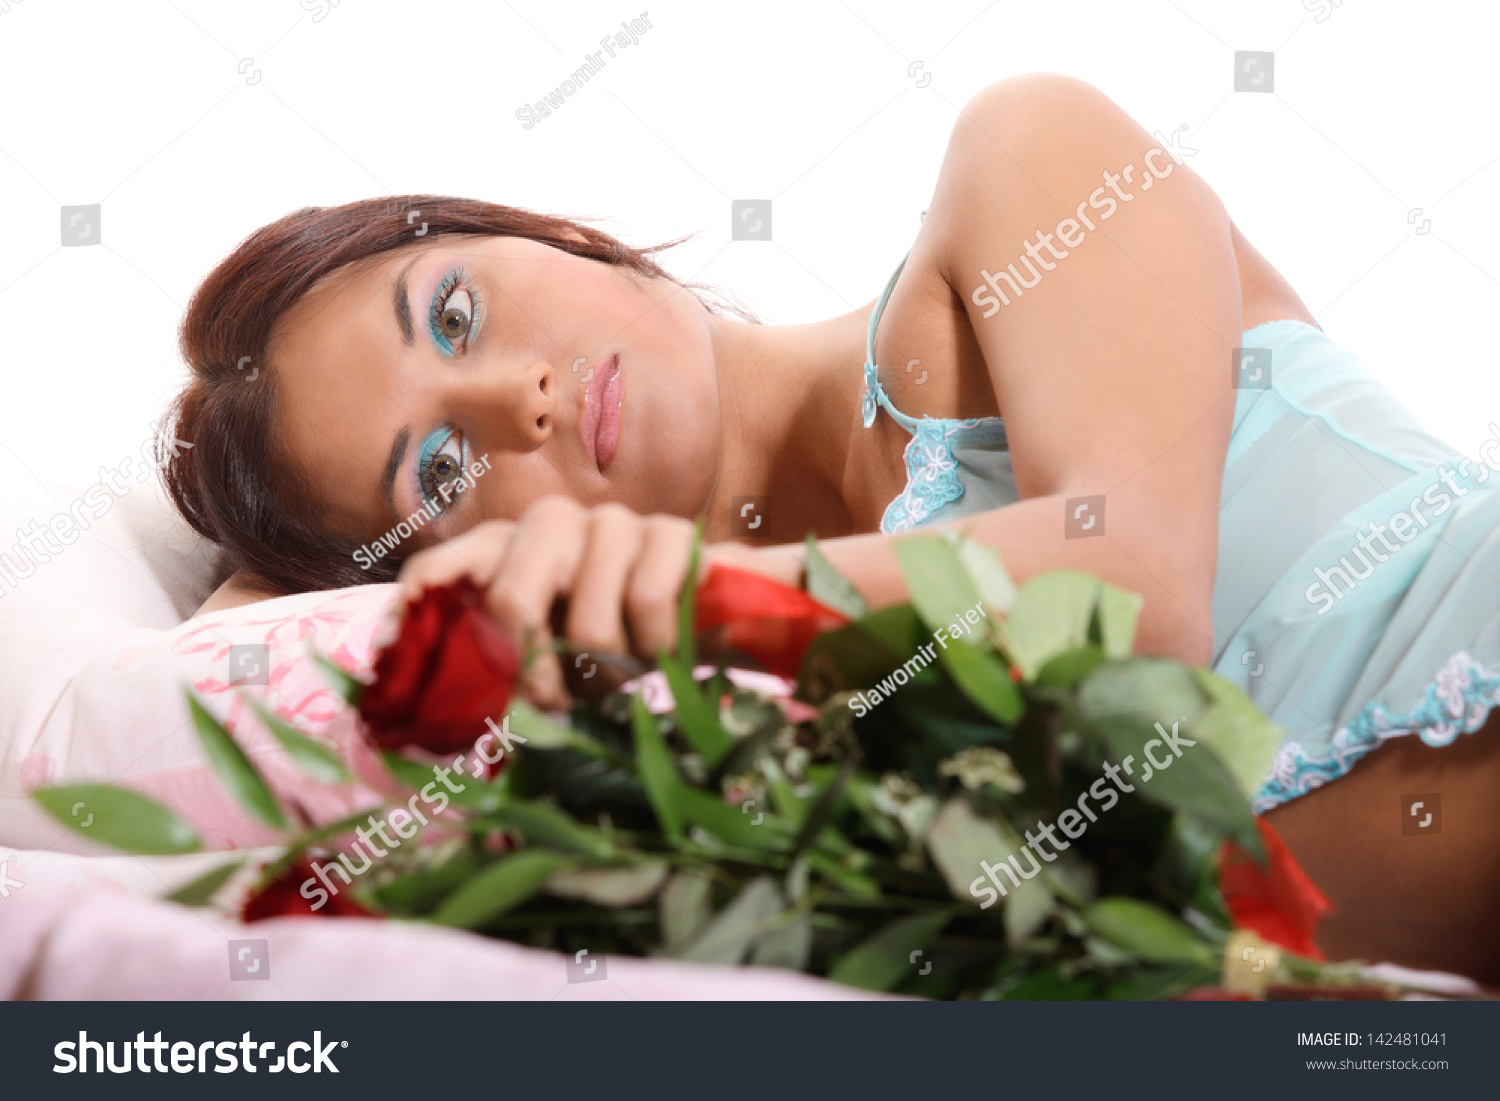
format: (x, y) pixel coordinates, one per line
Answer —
(96, 650)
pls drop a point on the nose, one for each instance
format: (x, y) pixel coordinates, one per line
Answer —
(517, 401)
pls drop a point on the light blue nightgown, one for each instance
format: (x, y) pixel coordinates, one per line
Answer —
(1357, 596)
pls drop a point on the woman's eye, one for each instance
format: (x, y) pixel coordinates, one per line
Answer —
(456, 313)
(441, 467)
(457, 316)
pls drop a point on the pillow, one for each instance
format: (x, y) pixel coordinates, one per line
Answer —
(96, 650)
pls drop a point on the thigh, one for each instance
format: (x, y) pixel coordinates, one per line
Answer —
(1427, 898)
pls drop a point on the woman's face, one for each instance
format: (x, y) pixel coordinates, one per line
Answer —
(403, 377)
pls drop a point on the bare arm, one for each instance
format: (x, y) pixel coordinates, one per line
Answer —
(1112, 372)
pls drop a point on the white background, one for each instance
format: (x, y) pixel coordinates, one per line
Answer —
(1380, 108)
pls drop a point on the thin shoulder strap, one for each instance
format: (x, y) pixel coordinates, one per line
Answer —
(875, 395)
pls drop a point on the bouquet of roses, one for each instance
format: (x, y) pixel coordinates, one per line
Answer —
(978, 794)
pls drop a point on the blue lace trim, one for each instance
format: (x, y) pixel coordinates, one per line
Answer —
(1458, 700)
(931, 475)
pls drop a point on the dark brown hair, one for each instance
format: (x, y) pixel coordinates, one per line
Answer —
(235, 484)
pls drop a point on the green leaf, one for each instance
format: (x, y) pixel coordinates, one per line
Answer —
(528, 726)
(684, 906)
(118, 817)
(1239, 732)
(664, 787)
(863, 652)
(1145, 931)
(941, 589)
(611, 887)
(314, 758)
(1130, 703)
(200, 892)
(687, 604)
(829, 587)
(544, 824)
(1197, 782)
(987, 572)
(345, 684)
(845, 878)
(735, 825)
(788, 946)
(1048, 984)
(500, 888)
(959, 840)
(421, 891)
(984, 678)
(698, 717)
(1118, 611)
(1066, 669)
(822, 811)
(233, 768)
(885, 958)
(1052, 614)
(755, 911)
(484, 796)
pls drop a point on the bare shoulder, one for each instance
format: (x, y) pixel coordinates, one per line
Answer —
(239, 589)
(1043, 136)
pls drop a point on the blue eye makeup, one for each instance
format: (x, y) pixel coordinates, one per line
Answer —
(441, 460)
(453, 316)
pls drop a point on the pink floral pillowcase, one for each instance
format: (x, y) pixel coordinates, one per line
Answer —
(122, 717)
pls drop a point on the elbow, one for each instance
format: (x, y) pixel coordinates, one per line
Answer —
(1176, 631)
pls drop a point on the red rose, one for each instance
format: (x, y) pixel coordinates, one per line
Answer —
(1278, 901)
(283, 897)
(450, 668)
(762, 618)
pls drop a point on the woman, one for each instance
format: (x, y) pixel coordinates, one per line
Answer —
(528, 401)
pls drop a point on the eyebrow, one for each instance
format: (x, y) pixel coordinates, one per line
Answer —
(392, 465)
(402, 304)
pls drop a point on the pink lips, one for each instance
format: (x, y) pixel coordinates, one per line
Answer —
(600, 424)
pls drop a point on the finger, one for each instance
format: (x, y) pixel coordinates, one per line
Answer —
(596, 618)
(539, 566)
(476, 553)
(655, 583)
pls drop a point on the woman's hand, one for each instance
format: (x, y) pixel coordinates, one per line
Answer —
(606, 577)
